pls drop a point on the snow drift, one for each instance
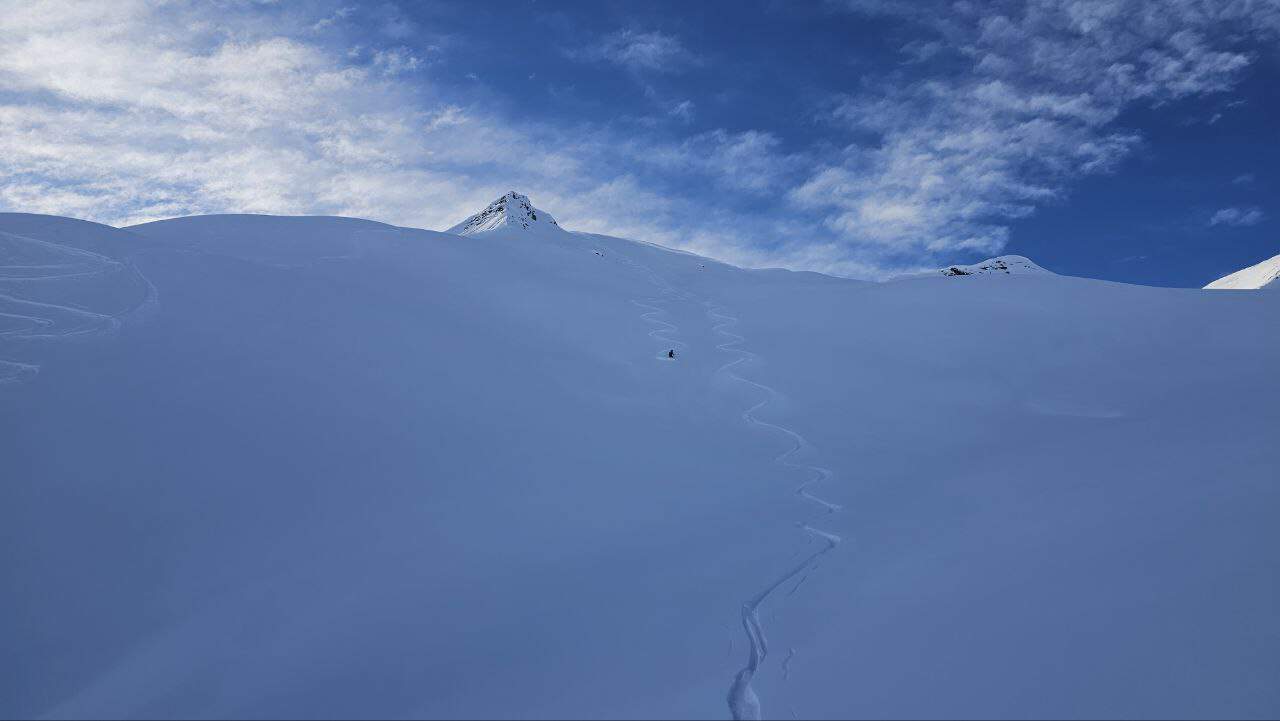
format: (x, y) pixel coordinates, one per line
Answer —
(264, 466)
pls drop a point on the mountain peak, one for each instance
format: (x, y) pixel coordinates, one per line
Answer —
(511, 210)
(1004, 265)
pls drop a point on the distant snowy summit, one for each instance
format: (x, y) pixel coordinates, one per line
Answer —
(512, 210)
(1262, 275)
(1003, 265)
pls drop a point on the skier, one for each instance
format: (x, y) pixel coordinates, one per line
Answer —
(671, 353)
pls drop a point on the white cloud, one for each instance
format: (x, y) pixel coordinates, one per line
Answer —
(337, 16)
(958, 157)
(1237, 217)
(682, 110)
(748, 161)
(118, 112)
(129, 110)
(654, 51)
(394, 61)
(919, 51)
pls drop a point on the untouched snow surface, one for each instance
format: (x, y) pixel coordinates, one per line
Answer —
(1262, 275)
(278, 467)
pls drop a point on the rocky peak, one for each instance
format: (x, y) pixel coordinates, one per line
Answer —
(512, 210)
(1004, 265)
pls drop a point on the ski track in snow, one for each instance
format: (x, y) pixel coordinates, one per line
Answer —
(786, 663)
(652, 312)
(14, 372)
(660, 334)
(41, 320)
(744, 703)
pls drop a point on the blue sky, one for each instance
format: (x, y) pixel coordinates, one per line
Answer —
(1133, 141)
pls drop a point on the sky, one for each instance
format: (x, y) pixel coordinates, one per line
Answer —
(1120, 139)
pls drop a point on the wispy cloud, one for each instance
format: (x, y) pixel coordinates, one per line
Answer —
(335, 17)
(1237, 217)
(131, 116)
(129, 110)
(958, 157)
(682, 110)
(639, 51)
(747, 161)
(393, 61)
(116, 112)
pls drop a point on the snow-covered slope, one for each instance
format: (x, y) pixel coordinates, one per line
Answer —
(512, 210)
(1001, 265)
(310, 467)
(1262, 275)
(63, 280)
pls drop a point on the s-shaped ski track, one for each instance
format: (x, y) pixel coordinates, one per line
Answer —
(743, 701)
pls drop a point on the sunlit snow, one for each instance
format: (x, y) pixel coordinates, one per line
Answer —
(325, 467)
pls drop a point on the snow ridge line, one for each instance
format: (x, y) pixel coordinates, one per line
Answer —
(742, 698)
